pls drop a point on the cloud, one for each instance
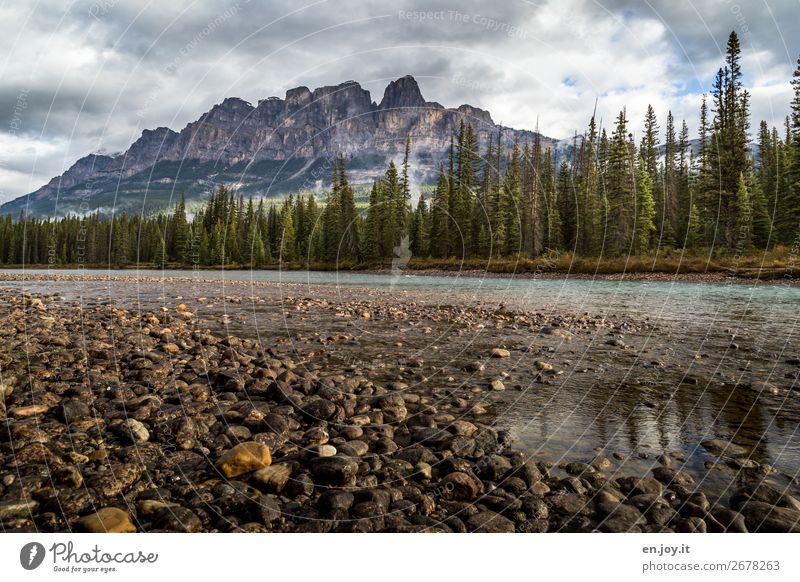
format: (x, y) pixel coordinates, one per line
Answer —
(97, 72)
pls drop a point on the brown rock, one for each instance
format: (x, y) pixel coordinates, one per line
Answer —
(244, 458)
(459, 486)
(489, 522)
(26, 411)
(272, 479)
(107, 520)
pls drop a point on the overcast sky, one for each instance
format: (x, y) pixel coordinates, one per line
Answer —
(88, 76)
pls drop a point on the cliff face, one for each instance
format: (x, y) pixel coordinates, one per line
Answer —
(267, 149)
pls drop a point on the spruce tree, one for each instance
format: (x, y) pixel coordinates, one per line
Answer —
(440, 218)
(645, 212)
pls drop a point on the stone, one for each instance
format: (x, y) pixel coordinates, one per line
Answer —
(765, 493)
(107, 520)
(489, 522)
(543, 366)
(693, 524)
(458, 486)
(765, 388)
(423, 471)
(731, 521)
(272, 479)
(320, 409)
(393, 407)
(171, 348)
(74, 409)
(337, 470)
(763, 517)
(497, 385)
(354, 448)
(326, 450)
(500, 353)
(569, 503)
(669, 477)
(134, 431)
(244, 458)
(335, 500)
(632, 486)
(116, 479)
(720, 448)
(177, 519)
(475, 367)
(27, 411)
(18, 509)
(619, 518)
(494, 467)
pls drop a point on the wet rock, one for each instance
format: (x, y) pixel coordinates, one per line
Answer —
(337, 471)
(335, 500)
(731, 521)
(489, 522)
(116, 479)
(133, 431)
(74, 409)
(326, 450)
(107, 520)
(647, 485)
(497, 385)
(765, 493)
(569, 503)
(393, 407)
(244, 458)
(765, 388)
(619, 518)
(320, 409)
(763, 517)
(475, 367)
(28, 411)
(692, 525)
(458, 486)
(17, 509)
(272, 479)
(671, 477)
(495, 467)
(720, 448)
(177, 519)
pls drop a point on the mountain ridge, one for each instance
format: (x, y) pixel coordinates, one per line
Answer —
(268, 149)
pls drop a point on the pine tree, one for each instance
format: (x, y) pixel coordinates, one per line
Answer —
(788, 216)
(568, 206)
(620, 189)
(420, 229)
(512, 241)
(729, 141)
(288, 242)
(440, 219)
(743, 217)
(645, 212)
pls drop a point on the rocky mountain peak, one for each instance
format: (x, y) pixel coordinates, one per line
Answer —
(278, 146)
(402, 93)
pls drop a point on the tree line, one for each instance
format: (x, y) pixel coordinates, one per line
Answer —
(610, 196)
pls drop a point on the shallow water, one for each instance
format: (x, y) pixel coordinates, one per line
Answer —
(615, 400)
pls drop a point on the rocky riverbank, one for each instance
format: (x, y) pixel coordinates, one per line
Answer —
(114, 420)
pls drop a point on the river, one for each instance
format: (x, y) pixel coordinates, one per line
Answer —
(693, 352)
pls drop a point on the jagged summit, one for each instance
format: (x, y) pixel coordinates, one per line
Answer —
(404, 92)
(267, 149)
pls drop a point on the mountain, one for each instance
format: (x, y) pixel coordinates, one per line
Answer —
(270, 149)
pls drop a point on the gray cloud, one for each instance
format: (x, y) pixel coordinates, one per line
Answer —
(98, 72)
